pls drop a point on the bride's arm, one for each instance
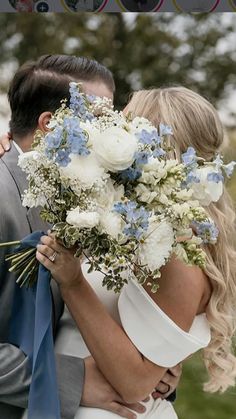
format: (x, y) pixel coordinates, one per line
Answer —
(132, 375)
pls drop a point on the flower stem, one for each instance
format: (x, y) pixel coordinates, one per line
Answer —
(25, 270)
(8, 244)
(20, 259)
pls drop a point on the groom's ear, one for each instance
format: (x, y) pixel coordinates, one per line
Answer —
(43, 121)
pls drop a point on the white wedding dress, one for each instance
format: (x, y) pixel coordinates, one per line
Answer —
(154, 334)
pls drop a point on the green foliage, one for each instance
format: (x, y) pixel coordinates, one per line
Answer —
(192, 402)
(144, 50)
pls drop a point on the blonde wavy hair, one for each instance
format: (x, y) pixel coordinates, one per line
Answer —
(195, 122)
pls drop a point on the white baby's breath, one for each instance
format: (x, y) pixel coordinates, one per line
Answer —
(140, 123)
(30, 161)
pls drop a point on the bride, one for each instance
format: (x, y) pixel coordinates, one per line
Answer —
(136, 336)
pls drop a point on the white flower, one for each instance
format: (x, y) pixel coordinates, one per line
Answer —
(145, 194)
(181, 253)
(206, 191)
(153, 171)
(111, 223)
(185, 194)
(30, 161)
(82, 219)
(140, 123)
(156, 170)
(91, 131)
(108, 195)
(181, 210)
(86, 170)
(115, 148)
(157, 246)
(31, 200)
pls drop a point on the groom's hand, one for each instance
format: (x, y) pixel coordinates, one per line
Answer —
(169, 383)
(97, 392)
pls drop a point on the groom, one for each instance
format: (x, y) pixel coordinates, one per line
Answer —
(36, 92)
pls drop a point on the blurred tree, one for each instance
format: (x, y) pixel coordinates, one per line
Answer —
(142, 50)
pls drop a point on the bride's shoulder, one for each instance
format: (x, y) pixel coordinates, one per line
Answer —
(182, 292)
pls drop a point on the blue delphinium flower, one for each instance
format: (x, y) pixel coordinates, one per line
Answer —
(218, 162)
(192, 178)
(149, 137)
(136, 218)
(229, 168)
(158, 152)
(62, 157)
(207, 231)
(76, 137)
(215, 177)
(189, 158)
(165, 130)
(141, 157)
(54, 138)
(78, 103)
(123, 207)
(130, 175)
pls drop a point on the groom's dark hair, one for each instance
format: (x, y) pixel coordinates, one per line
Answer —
(39, 86)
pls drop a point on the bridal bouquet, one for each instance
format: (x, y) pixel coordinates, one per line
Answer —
(114, 191)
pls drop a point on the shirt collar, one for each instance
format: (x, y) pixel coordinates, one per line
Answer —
(18, 148)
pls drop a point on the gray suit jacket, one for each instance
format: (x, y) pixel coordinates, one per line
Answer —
(15, 223)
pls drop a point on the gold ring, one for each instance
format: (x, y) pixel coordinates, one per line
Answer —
(53, 257)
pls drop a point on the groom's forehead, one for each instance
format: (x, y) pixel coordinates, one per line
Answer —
(97, 88)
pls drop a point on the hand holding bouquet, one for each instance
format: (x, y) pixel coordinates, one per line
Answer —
(113, 189)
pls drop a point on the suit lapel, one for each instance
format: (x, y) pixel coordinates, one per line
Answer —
(10, 159)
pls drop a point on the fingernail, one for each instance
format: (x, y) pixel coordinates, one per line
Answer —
(7, 148)
(142, 409)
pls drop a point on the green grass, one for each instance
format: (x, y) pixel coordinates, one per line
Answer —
(193, 403)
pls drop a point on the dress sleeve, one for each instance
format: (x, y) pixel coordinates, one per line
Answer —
(153, 333)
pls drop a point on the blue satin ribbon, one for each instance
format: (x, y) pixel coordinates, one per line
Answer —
(31, 330)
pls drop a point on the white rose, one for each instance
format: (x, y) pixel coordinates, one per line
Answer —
(115, 148)
(82, 219)
(206, 191)
(157, 247)
(86, 170)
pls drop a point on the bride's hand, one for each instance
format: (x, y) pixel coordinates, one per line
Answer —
(61, 262)
(5, 143)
